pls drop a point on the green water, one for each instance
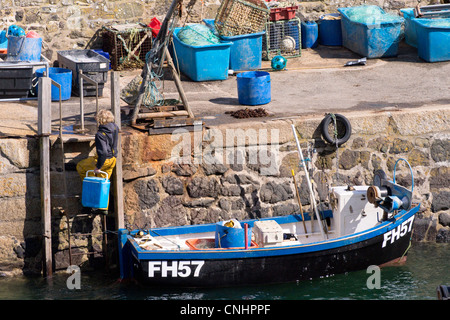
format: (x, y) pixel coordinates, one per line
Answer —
(427, 267)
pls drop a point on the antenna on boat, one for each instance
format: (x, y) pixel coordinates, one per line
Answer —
(319, 220)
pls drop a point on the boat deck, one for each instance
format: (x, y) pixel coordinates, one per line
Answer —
(206, 241)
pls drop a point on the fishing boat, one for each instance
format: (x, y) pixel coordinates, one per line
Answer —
(365, 226)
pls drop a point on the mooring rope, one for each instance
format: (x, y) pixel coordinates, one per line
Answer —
(333, 116)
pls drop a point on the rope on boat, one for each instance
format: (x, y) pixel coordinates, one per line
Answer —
(333, 116)
(409, 246)
(412, 176)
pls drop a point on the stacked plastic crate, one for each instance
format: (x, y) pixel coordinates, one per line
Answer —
(282, 33)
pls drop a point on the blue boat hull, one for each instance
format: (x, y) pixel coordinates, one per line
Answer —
(213, 268)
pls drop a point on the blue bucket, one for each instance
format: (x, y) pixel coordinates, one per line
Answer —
(227, 237)
(253, 87)
(24, 49)
(63, 77)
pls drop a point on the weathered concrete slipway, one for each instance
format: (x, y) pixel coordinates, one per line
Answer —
(161, 190)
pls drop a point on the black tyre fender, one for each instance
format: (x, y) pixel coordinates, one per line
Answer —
(330, 138)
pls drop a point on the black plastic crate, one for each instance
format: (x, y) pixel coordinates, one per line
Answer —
(93, 65)
(88, 91)
(99, 77)
(15, 80)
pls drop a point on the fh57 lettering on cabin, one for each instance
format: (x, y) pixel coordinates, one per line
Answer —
(397, 233)
(173, 269)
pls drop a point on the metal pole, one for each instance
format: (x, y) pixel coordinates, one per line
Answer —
(80, 80)
(309, 183)
(299, 203)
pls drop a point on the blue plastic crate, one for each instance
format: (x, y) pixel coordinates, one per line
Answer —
(410, 27)
(210, 24)
(433, 39)
(375, 39)
(202, 63)
(330, 31)
(246, 50)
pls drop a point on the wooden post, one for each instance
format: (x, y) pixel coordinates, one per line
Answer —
(117, 176)
(178, 83)
(44, 131)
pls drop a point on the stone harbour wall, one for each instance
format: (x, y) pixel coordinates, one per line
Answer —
(70, 24)
(160, 190)
(240, 170)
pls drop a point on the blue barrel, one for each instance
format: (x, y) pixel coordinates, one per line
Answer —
(95, 192)
(253, 87)
(227, 237)
(61, 76)
(24, 49)
(310, 34)
(330, 33)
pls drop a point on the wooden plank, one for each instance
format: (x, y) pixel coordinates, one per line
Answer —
(44, 131)
(117, 176)
(176, 122)
(169, 114)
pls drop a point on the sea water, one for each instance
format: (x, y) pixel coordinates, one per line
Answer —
(426, 268)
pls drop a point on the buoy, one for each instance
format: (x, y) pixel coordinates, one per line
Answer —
(279, 62)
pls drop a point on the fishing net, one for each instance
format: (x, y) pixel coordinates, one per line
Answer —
(197, 35)
(370, 32)
(370, 15)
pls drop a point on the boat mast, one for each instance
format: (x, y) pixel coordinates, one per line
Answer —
(319, 220)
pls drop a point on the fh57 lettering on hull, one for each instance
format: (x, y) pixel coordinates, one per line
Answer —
(173, 269)
(398, 232)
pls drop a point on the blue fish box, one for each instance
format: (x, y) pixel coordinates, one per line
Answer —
(246, 50)
(202, 63)
(410, 27)
(330, 32)
(228, 237)
(95, 192)
(374, 35)
(433, 39)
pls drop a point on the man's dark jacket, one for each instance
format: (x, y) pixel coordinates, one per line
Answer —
(106, 142)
